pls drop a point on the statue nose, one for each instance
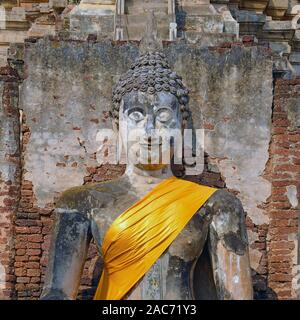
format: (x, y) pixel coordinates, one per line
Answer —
(150, 135)
(150, 126)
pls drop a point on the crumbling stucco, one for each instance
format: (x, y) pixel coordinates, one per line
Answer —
(233, 95)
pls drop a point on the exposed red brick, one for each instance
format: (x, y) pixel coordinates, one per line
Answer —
(23, 279)
(35, 238)
(33, 272)
(285, 171)
(33, 252)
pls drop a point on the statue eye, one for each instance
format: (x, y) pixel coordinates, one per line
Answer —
(136, 116)
(164, 115)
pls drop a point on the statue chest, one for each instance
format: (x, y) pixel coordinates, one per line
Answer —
(169, 277)
(103, 215)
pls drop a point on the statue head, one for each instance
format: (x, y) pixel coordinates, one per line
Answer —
(148, 98)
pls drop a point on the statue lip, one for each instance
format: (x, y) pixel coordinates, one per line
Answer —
(151, 145)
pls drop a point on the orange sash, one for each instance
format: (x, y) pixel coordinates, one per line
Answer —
(139, 236)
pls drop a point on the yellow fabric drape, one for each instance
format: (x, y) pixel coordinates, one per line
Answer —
(139, 236)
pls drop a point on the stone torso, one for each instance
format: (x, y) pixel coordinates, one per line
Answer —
(87, 212)
(170, 277)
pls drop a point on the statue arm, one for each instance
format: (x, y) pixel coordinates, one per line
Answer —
(229, 248)
(70, 240)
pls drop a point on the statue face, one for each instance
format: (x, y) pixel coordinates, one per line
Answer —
(140, 114)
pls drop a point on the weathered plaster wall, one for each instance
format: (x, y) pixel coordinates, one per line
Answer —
(232, 90)
(66, 97)
(65, 110)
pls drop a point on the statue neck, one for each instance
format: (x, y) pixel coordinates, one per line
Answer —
(139, 176)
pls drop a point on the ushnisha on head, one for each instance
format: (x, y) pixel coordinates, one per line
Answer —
(151, 75)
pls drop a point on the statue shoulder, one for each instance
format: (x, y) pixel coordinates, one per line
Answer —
(225, 201)
(82, 199)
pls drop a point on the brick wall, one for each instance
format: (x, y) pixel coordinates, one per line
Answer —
(284, 173)
(32, 234)
(9, 176)
(259, 248)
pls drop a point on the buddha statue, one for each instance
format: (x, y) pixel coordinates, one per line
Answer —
(160, 237)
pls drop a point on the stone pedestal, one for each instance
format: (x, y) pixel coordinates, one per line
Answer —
(257, 6)
(133, 19)
(58, 5)
(231, 26)
(198, 18)
(42, 26)
(127, 21)
(16, 19)
(277, 8)
(250, 23)
(9, 4)
(93, 17)
(292, 9)
(14, 31)
(279, 35)
(32, 3)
